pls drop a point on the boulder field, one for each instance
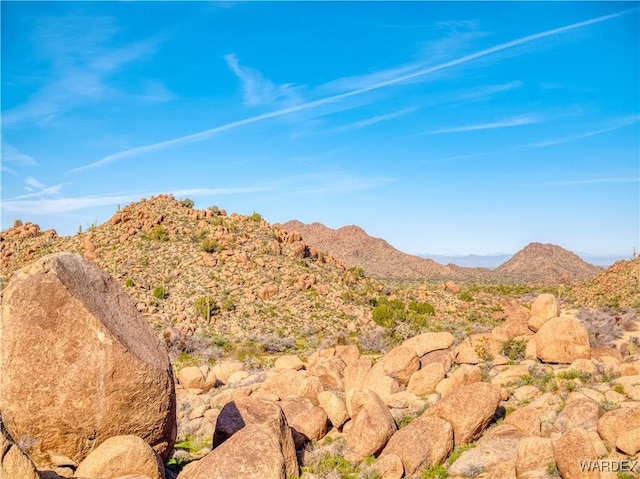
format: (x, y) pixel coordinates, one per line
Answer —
(87, 391)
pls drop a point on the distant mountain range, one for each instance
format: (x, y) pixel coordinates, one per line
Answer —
(492, 261)
(536, 263)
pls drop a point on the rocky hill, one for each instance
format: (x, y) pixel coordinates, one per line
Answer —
(354, 247)
(536, 263)
(618, 286)
(203, 271)
(547, 263)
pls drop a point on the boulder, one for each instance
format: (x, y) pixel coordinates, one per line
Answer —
(100, 370)
(389, 467)
(614, 424)
(243, 412)
(289, 361)
(580, 413)
(306, 419)
(426, 342)
(373, 426)
(121, 456)
(526, 420)
(334, 407)
(465, 374)
(500, 444)
(570, 450)
(284, 383)
(534, 456)
(544, 308)
(424, 441)
(469, 410)
(442, 356)
(329, 370)
(399, 363)
(13, 462)
(253, 451)
(629, 441)
(193, 377)
(424, 381)
(562, 340)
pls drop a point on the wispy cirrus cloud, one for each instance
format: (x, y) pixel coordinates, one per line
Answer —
(257, 89)
(584, 182)
(82, 58)
(37, 189)
(615, 125)
(376, 119)
(507, 123)
(400, 77)
(487, 91)
(11, 154)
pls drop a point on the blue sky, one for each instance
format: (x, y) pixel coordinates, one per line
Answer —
(442, 127)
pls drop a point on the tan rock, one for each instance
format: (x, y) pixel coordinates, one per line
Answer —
(335, 408)
(289, 361)
(310, 388)
(224, 370)
(510, 374)
(535, 454)
(426, 342)
(543, 309)
(372, 427)
(562, 340)
(424, 381)
(348, 353)
(475, 349)
(330, 371)
(465, 374)
(425, 441)
(629, 441)
(68, 326)
(253, 451)
(581, 413)
(389, 467)
(499, 445)
(469, 410)
(399, 363)
(14, 463)
(526, 420)
(193, 377)
(238, 415)
(355, 374)
(121, 456)
(442, 356)
(284, 383)
(614, 424)
(572, 448)
(306, 419)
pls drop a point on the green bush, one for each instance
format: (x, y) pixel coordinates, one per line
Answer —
(514, 349)
(209, 246)
(421, 308)
(256, 217)
(435, 472)
(187, 203)
(158, 233)
(465, 295)
(205, 307)
(129, 283)
(159, 292)
(228, 305)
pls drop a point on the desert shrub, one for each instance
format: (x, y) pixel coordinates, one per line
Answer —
(159, 292)
(606, 324)
(205, 307)
(228, 305)
(457, 452)
(187, 203)
(575, 374)
(214, 209)
(435, 472)
(129, 283)
(356, 271)
(375, 341)
(514, 349)
(465, 295)
(272, 343)
(257, 217)
(383, 315)
(209, 245)
(421, 307)
(158, 233)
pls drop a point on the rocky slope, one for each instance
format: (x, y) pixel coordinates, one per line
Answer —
(618, 286)
(262, 281)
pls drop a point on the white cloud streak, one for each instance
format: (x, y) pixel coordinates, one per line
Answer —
(585, 182)
(376, 119)
(257, 89)
(11, 154)
(511, 122)
(615, 126)
(203, 135)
